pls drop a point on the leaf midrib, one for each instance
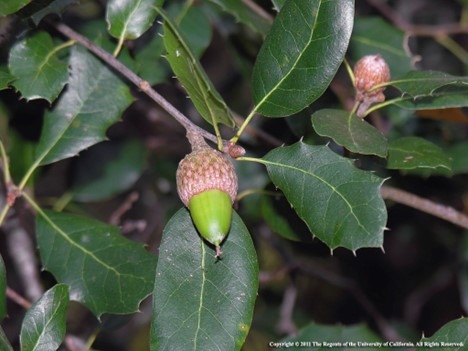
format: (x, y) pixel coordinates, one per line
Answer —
(310, 40)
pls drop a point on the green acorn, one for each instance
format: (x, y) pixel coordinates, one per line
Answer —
(207, 185)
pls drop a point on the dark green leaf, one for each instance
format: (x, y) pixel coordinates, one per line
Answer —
(419, 84)
(444, 97)
(196, 29)
(4, 343)
(458, 153)
(414, 152)
(44, 324)
(342, 337)
(11, 6)
(3, 287)
(340, 204)
(374, 35)
(190, 73)
(129, 19)
(350, 131)
(5, 77)
(108, 171)
(39, 72)
(95, 98)
(201, 302)
(452, 336)
(105, 271)
(301, 54)
(246, 15)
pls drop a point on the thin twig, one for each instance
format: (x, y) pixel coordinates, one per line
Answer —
(412, 29)
(142, 84)
(445, 212)
(20, 300)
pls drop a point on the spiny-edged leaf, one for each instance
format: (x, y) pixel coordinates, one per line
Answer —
(129, 19)
(192, 76)
(373, 35)
(44, 324)
(195, 27)
(39, 72)
(95, 98)
(11, 6)
(105, 271)
(339, 335)
(414, 152)
(201, 302)
(3, 287)
(4, 343)
(301, 54)
(107, 170)
(452, 336)
(420, 84)
(350, 131)
(340, 204)
(448, 96)
(5, 77)
(246, 14)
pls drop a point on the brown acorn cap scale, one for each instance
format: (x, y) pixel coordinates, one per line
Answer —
(205, 169)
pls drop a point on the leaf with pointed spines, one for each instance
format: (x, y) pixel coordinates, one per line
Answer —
(95, 98)
(193, 77)
(39, 72)
(105, 271)
(340, 204)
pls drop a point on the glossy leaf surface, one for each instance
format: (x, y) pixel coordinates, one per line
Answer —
(39, 72)
(431, 90)
(129, 19)
(95, 98)
(192, 76)
(414, 152)
(105, 271)
(201, 302)
(350, 131)
(301, 54)
(44, 324)
(340, 204)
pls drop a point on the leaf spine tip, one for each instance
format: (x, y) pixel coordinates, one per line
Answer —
(354, 253)
(382, 248)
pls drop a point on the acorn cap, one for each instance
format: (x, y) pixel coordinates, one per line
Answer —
(205, 169)
(369, 71)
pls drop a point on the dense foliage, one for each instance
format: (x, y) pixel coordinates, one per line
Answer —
(348, 229)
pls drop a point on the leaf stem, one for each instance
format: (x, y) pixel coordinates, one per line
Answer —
(236, 137)
(444, 212)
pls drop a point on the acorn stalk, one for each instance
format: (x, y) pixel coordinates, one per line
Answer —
(207, 185)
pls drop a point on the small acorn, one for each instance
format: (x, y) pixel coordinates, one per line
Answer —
(207, 185)
(369, 72)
